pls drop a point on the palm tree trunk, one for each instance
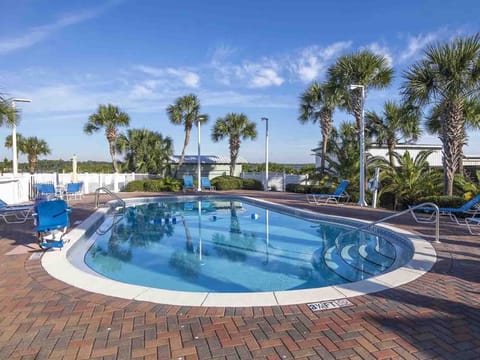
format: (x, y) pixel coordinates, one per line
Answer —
(326, 126)
(188, 130)
(452, 142)
(234, 149)
(391, 150)
(111, 146)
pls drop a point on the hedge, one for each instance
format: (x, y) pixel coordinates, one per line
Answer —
(153, 185)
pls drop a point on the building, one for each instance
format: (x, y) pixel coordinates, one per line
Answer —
(470, 162)
(211, 165)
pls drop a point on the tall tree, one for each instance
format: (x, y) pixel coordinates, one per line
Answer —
(30, 146)
(448, 74)
(362, 68)
(186, 111)
(110, 118)
(236, 127)
(396, 123)
(145, 150)
(317, 104)
(7, 112)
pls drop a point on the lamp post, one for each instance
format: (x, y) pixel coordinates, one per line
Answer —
(266, 152)
(199, 185)
(14, 137)
(361, 200)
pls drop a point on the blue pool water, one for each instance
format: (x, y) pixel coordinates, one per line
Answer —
(233, 245)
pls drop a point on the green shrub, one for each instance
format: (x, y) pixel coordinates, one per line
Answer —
(153, 185)
(252, 184)
(308, 189)
(227, 183)
(443, 201)
(135, 185)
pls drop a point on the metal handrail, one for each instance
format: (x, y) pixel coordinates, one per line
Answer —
(116, 197)
(410, 209)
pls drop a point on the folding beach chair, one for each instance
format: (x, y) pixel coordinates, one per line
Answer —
(188, 183)
(52, 223)
(206, 185)
(15, 214)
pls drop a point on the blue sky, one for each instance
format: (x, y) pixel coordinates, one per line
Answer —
(251, 56)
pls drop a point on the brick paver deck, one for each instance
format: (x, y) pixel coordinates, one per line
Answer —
(434, 317)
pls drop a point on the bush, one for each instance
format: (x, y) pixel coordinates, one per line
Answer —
(252, 184)
(153, 185)
(227, 183)
(308, 189)
(443, 201)
(135, 185)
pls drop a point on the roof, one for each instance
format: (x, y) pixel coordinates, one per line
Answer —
(207, 159)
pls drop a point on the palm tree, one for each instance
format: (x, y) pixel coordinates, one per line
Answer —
(397, 123)
(111, 118)
(411, 180)
(31, 146)
(448, 75)
(362, 68)
(7, 112)
(317, 104)
(145, 150)
(236, 127)
(186, 111)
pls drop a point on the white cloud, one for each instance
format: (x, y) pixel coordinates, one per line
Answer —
(39, 33)
(312, 60)
(417, 44)
(187, 77)
(384, 51)
(265, 77)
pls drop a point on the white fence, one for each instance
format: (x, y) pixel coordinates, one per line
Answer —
(276, 180)
(22, 188)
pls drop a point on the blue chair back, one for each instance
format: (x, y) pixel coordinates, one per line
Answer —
(471, 203)
(73, 187)
(188, 181)
(45, 189)
(341, 188)
(52, 215)
(206, 182)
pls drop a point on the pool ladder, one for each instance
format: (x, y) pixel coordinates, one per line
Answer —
(118, 208)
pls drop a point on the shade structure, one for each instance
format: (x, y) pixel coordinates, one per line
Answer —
(74, 169)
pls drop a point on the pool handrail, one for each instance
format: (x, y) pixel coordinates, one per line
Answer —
(410, 210)
(107, 191)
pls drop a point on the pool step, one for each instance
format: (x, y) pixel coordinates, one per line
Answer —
(369, 252)
(351, 256)
(336, 263)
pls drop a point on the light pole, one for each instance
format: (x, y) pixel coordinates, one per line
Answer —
(14, 137)
(266, 152)
(199, 184)
(361, 200)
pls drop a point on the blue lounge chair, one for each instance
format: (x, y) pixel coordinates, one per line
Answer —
(471, 207)
(188, 183)
(52, 223)
(206, 185)
(46, 189)
(74, 190)
(340, 194)
(15, 214)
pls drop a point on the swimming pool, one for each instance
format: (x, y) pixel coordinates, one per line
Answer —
(229, 246)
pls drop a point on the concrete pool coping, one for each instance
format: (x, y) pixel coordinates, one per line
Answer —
(57, 264)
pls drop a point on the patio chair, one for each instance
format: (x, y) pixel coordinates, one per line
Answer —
(206, 185)
(188, 183)
(338, 195)
(471, 207)
(46, 189)
(15, 214)
(74, 190)
(52, 222)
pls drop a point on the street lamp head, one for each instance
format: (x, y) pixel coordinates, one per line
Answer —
(21, 100)
(264, 119)
(353, 87)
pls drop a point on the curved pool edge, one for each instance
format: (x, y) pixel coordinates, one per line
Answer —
(56, 263)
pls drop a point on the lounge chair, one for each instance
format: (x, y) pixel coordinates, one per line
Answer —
(471, 207)
(46, 189)
(340, 194)
(73, 190)
(52, 223)
(188, 183)
(15, 214)
(206, 185)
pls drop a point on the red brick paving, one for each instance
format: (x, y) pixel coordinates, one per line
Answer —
(434, 317)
